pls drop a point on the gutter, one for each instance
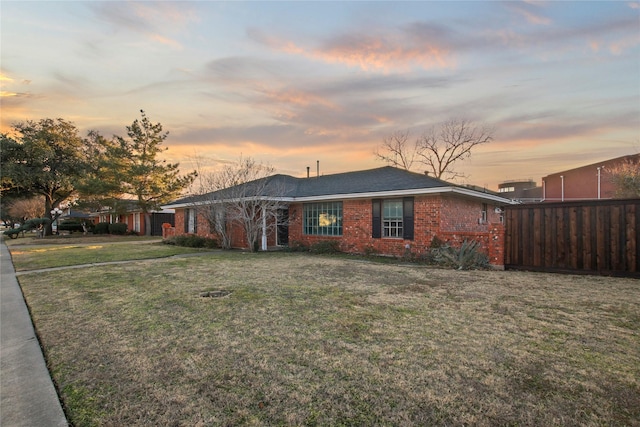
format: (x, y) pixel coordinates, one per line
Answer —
(370, 195)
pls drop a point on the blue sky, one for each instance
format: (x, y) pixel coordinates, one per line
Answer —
(290, 83)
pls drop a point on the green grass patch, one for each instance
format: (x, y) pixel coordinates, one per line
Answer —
(78, 252)
(318, 340)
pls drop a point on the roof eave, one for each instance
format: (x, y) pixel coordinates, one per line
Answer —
(370, 195)
(409, 192)
(212, 202)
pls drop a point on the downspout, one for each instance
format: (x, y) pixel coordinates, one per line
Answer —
(264, 231)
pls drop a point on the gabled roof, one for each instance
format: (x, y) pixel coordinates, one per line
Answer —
(381, 182)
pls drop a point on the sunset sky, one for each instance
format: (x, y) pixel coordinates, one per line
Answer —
(290, 83)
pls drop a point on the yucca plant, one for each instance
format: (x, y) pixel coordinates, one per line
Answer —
(466, 257)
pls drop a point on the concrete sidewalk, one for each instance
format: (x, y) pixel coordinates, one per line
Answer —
(27, 394)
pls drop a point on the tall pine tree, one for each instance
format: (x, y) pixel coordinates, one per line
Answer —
(151, 180)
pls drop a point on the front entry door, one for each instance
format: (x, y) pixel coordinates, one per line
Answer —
(283, 227)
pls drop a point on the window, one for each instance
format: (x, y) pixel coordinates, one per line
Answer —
(136, 222)
(323, 219)
(217, 219)
(190, 223)
(392, 218)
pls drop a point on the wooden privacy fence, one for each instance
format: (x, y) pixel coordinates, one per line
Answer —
(599, 236)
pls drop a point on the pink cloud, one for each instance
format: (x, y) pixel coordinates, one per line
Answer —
(620, 45)
(297, 98)
(532, 11)
(386, 52)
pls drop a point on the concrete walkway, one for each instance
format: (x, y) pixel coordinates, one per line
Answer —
(27, 394)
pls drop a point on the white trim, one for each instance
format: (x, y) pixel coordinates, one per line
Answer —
(409, 192)
(371, 195)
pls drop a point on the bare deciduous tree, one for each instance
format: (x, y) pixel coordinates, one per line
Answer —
(246, 194)
(626, 178)
(27, 208)
(438, 149)
(397, 150)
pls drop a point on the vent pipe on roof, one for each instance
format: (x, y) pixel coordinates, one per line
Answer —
(318, 168)
(308, 168)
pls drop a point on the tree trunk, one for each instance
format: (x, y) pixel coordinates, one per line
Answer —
(48, 206)
(147, 224)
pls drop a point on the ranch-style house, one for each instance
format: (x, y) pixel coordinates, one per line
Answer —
(386, 210)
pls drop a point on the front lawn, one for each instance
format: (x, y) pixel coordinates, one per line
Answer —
(314, 340)
(42, 253)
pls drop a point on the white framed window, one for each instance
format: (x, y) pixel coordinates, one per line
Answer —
(392, 224)
(190, 223)
(136, 222)
(323, 219)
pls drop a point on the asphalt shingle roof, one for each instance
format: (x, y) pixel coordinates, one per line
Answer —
(368, 181)
(382, 179)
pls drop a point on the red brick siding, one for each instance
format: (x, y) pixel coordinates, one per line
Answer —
(461, 221)
(238, 236)
(451, 219)
(202, 226)
(462, 215)
(582, 182)
(126, 218)
(168, 232)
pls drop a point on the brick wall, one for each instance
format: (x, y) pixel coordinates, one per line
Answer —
(168, 231)
(582, 183)
(451, 219)
(238, 235)
(465, 215)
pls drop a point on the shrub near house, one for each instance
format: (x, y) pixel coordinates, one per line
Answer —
(118, 228)
(386, 210)
(71, 226)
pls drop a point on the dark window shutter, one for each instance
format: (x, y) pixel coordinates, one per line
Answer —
(186, 220)
(407, 218)
(376, 218)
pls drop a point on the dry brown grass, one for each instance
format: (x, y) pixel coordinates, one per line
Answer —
(304, 340)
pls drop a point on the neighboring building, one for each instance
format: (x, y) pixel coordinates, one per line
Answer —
(130, 213)
(522, 191)
(386, 210)
(583, 183)
(74, 214)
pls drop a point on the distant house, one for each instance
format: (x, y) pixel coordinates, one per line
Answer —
(75, 215)
(584, 183)
(128, 212)
(386, 210)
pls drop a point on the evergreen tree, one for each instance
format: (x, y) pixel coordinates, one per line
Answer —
(152, 181)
